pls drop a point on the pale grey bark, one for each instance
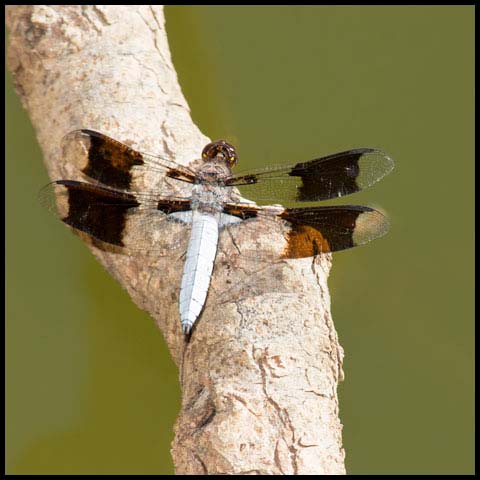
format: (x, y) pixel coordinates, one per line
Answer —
(259, 375)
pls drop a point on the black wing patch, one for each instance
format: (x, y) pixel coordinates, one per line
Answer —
(329, 229)
(98, 211)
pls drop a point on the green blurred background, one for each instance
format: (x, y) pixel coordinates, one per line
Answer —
(90, 385)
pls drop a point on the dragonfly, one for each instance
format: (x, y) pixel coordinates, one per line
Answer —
(110, 208)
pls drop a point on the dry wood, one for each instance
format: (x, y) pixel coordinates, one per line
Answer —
(259, 375)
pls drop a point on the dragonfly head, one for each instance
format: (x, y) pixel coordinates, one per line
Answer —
(220, 151)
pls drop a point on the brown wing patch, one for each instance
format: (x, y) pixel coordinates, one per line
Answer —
(305, 241)
(241, 211)
(173, 205)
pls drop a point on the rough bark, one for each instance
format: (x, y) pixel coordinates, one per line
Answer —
(259, 374)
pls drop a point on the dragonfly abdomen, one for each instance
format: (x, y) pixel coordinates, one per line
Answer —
(197, 271)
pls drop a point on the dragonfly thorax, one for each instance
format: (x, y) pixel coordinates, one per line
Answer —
(208, 197)
(214, 172)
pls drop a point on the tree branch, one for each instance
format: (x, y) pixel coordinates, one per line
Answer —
(259, 375)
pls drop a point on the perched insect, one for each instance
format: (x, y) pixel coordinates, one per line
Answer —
(105, 207)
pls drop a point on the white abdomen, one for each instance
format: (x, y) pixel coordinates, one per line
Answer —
(202, 249)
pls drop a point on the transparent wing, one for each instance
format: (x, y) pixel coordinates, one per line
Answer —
(113, 163)
(251, 251)
(128, 223)
(307, 231)
(320, 179)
